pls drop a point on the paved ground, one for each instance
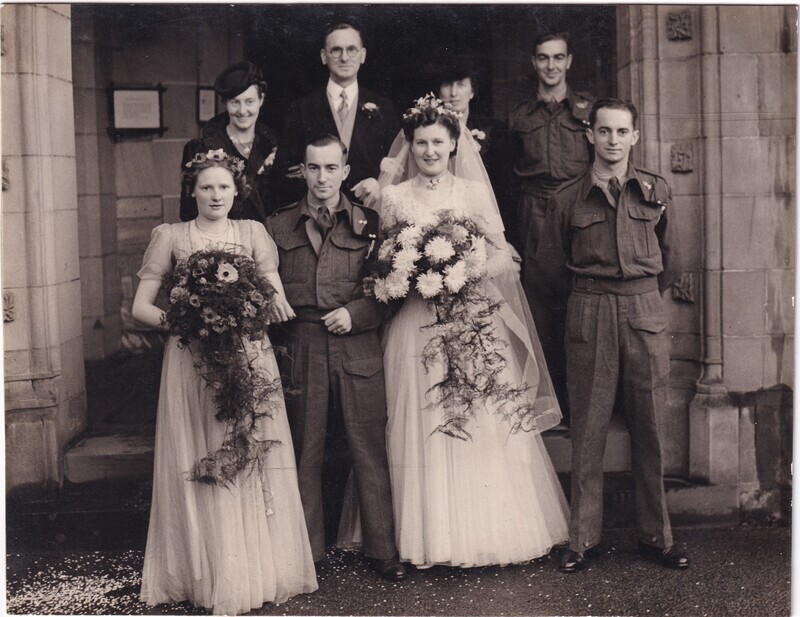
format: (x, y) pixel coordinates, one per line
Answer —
(740, 571)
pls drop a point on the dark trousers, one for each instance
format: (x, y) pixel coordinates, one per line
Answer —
(548, 305)
(321, 369)
(617, 340)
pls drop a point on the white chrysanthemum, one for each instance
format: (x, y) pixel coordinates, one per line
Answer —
(409, 236)
(459, 233)
(398, 285)
(429, 284)
(381, 290)
(385, 252)
(455, 276)
(439, 249)
(405, 259)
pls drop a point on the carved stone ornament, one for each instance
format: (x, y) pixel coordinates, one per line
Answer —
(681, 156)
(9, 310)
(679, 26)
(683, 290)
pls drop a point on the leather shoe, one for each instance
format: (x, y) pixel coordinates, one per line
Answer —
(572, 561)
(667, 557)
(391, 569)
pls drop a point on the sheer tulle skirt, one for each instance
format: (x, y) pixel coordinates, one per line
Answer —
(494, 499)
(226, 549)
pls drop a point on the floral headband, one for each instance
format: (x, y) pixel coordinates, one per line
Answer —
(430, 101)
(233, 163)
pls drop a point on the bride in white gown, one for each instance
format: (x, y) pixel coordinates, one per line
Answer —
(491, 496)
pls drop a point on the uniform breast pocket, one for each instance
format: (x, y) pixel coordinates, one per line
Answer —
(533, 136)
(644, 220)
(348, 264)
(588, 237)
(295, 255)
(576, 146)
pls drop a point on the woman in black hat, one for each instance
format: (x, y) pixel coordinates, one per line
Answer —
(457, 84)
(239, 132)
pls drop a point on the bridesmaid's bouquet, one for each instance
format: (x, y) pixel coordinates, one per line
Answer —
(443, 257)
(217, 303)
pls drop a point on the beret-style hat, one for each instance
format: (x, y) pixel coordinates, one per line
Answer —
(237, 78)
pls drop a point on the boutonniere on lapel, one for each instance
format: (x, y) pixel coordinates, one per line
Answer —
(480, 138)
(268, 162)
(371, 109)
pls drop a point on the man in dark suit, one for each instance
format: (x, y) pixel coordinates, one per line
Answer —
(366, 122)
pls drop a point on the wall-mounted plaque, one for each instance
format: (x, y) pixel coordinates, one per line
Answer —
(206, 104)
(135, 111)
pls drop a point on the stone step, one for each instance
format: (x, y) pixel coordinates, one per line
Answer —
(110, 457)
(617, 456)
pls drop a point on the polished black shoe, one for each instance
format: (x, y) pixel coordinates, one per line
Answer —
(572, 561)
(391, 569)
(667, 557)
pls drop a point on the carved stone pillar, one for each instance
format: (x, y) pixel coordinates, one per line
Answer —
(45, 399)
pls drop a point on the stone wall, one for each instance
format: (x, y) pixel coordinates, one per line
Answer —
(45, 399)
(127, 187)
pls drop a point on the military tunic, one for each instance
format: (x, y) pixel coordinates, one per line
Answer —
(616, 256)
(550, 148)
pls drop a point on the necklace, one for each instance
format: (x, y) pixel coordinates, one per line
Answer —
(212, 235)
(433, 183)
(243, 146)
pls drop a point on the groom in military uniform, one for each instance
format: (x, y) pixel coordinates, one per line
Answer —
(334, 360)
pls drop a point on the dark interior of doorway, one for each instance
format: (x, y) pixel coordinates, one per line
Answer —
(407, 44)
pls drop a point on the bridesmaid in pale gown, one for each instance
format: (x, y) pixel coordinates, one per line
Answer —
(225, 548)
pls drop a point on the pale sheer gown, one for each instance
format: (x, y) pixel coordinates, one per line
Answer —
(494, 499)
(226, 549)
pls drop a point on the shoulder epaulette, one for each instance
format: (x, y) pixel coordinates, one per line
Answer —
(655, 187)
(284, 209)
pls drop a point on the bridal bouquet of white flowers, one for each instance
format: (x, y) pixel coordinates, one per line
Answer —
(444, 258)
(439, 256)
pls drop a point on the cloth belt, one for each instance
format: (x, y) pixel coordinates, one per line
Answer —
(310, 315)
(619, 287)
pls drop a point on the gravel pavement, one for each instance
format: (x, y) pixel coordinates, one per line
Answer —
(735, 571)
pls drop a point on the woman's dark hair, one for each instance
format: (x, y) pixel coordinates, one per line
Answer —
(203, 161)
(456, 71)
(427, 116)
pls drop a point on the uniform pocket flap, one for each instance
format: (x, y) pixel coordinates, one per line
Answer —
(644, 213)
(584, 219)
(349, 241)
(649, 323)
(363, 367)
(528, 125)
(292, 241)
(572, 125)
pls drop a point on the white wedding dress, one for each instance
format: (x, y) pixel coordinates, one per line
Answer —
(494, 499)
(228, 549)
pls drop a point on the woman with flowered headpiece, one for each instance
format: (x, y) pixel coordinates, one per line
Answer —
(227, 530)
(241, 132)
(468, 393)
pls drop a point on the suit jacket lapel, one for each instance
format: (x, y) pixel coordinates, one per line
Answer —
(322, 111)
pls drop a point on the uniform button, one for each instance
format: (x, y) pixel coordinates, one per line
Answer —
(586, 545)
(653, 539)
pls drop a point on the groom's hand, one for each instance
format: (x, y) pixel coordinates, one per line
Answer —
(338, 321)
(368, 191)
(295, 171)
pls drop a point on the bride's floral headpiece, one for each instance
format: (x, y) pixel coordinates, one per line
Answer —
(234, 164)
(431, 102)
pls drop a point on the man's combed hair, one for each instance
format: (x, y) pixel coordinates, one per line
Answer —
(551, 36)
(342, 25)
(322, 140)
(613, 104)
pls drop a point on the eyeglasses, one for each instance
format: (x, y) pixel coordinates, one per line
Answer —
(336, 52)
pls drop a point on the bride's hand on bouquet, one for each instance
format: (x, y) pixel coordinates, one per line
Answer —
(281, 310)
(338, 321)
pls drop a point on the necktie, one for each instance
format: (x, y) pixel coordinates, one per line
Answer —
(343, 107)
(324, 221)
(614, 188)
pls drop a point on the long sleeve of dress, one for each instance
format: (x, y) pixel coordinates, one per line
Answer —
(158, 256)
